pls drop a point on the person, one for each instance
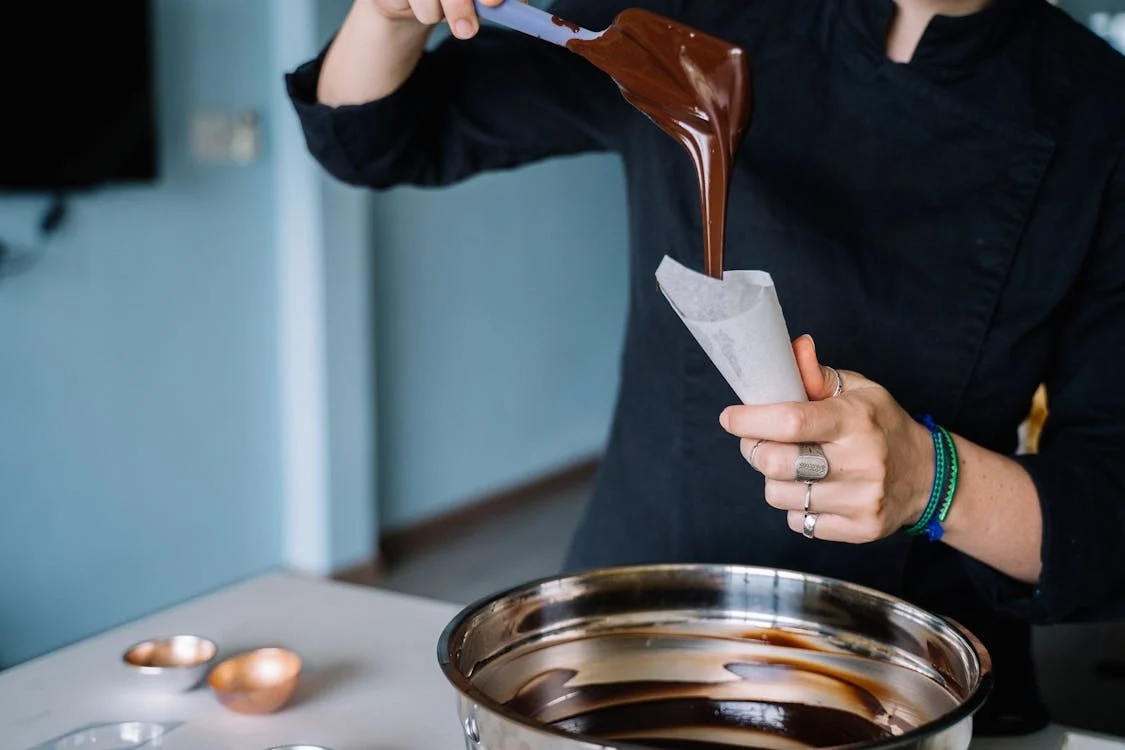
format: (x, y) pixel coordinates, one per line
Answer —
(938, 190)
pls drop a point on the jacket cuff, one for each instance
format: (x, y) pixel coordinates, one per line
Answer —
(353, 141)
(1083, 572)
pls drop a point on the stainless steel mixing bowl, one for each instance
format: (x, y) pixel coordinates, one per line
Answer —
(709, 656)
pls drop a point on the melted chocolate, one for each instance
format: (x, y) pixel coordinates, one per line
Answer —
(695, 87)
(862, 693)
(671, 714)
(661, 686)
(566, 24)
(778, 638)
(812, 726)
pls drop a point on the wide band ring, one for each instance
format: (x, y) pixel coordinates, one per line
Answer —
(811, 464)
(809, 529)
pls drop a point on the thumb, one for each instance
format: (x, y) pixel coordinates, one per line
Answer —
(819, 381)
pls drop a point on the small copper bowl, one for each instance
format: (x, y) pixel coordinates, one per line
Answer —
(257, 682)
(173, 664)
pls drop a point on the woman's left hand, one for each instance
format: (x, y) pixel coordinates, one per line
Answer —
(881, 461)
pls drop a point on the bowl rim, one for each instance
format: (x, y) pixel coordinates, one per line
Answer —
(151, 669)
(965, 710)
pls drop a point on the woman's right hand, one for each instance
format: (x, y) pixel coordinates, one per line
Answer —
(461, 14)
(380, 43)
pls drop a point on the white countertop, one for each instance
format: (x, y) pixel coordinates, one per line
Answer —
(371, 677)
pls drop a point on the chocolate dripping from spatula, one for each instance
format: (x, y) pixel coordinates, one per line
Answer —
(695, 87)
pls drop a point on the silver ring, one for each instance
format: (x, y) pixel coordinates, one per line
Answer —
(839, 381)
(809, 529)
(808, 496)
(754, 452)
(811, 464)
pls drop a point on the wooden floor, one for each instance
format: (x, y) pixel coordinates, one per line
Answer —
(507, 550)
(530, 542)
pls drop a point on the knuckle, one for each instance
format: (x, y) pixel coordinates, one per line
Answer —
(428, 12)
(882, 450)
(870, 530)
(458, 8)
(793, 423)
(772, 464)
(862, 414)
(866, 506)
(395, 8)
(876, 511)
(878, 470)
(771, 494)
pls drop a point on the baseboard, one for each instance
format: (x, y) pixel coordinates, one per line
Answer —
(399, 543)
(396, 545)
(368, 573)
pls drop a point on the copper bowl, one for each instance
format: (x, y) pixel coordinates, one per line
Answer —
(257, 682)
(173, 664)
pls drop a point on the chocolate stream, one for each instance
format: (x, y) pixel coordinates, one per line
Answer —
(695, 87)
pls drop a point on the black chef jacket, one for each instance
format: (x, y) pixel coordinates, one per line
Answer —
(953, 228)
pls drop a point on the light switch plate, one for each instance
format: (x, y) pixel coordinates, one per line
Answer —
(222, 137)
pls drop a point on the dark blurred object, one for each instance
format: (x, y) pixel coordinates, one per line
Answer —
(1111, 669)
(78, 83)
(1015, 707)
(15, 261)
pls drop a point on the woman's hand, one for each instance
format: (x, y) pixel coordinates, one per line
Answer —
(881, 461)
(461, 14)
(380, 43)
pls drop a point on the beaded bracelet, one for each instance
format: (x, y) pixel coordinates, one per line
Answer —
(944, 486)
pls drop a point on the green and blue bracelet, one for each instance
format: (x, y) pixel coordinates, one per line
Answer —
(945, 483)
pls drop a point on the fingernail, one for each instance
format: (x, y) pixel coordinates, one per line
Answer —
(463, 28)
(724, 420)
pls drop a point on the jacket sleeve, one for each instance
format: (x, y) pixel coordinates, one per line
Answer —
(497, 101)
(1079, 471)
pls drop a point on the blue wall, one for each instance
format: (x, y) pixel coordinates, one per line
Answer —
(350, 343)
(138, 368)
(139, 358)
(500, 314)
(349, 329)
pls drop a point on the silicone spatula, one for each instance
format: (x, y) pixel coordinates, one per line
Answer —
(531, 20)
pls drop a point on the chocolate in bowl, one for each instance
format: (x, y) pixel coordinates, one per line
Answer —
(698, 656)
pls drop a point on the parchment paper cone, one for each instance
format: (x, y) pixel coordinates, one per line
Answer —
(739, 323)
